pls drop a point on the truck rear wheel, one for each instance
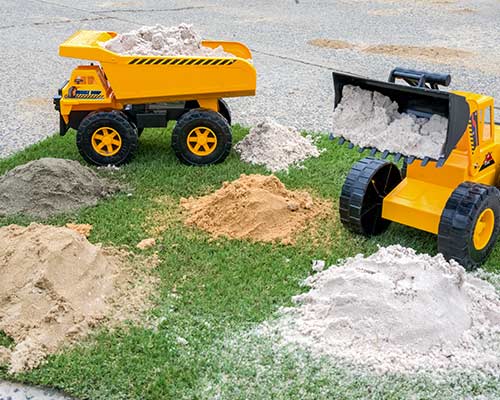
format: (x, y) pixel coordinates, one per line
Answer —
(363, 192)
(470, 224)
(106, 138)
(202, 137)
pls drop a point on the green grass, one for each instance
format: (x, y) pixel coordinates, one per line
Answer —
(223, 287)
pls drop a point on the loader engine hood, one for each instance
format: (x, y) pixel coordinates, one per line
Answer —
(422, 99)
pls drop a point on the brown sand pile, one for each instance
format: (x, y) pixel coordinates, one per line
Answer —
(50, 186)
(55, 287)
(255, 207)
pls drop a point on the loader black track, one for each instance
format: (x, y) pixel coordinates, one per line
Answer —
(363, 192)
(458, 221)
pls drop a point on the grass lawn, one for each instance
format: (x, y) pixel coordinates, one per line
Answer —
(222, 289)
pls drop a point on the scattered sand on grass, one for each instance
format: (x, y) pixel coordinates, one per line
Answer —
(275, 146)
(50, 186)
(146, 243)
(159, 40)
(82, 229)
(398, 311)
(254, 207)
(56, 287)
(370, 119)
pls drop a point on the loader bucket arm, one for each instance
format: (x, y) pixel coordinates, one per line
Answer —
(420, 101)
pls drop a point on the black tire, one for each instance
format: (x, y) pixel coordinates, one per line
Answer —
(363, 192)
(459, 220)
(224, 110)
(119, 123)
(202, 119)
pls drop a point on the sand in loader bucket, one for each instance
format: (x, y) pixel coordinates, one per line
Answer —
(56, 287)
(50, 186)
(159, 40)
(398, 311)
(254, 207)
(370, 119)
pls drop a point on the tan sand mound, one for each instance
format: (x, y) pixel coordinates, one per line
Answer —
(55, 287)
(50, 186)
(255, 207)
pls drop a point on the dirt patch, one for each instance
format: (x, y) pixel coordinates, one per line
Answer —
(434, 54)
(331, 44)
(56, 287)
(464, 10)
(398, 311)
(387, 12)
(275, 146)
(160, 40)
(50, 186)
(254, 207)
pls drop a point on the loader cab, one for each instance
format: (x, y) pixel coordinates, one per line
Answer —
(481, 117)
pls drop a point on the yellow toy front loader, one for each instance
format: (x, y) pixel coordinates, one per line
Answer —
(111, 103)
(454, 196)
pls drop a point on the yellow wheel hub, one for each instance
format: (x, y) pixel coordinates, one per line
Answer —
(484, 229)
(201, 141)
(106, 141)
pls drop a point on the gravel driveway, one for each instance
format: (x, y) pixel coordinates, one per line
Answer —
(294, 84)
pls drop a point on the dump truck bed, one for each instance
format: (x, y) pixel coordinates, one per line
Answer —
(143, 79)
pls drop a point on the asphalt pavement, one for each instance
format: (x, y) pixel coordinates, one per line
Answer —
(294, 84)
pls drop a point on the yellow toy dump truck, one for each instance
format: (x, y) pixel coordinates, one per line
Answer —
(110, 104)
(454, 196)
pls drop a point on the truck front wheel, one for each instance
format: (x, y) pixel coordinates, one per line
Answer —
(106, 138)
(201, 137)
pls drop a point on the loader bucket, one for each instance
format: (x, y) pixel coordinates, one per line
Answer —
(421, 101)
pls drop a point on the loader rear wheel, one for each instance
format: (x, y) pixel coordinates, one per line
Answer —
(363, 193)
(202, 137)
(106, 138)
(470, 224)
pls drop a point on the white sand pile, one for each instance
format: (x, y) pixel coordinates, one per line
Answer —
(275, 146)
(159, 40)
(398, 311)
(56, 287)
(51, 186)
(370, 119)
